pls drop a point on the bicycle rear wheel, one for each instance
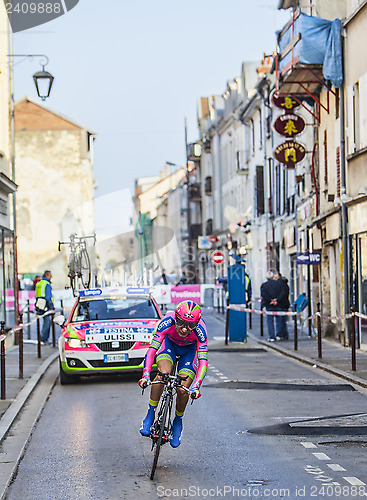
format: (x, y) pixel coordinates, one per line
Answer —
(160, 437)
(72, 275)
(84, 273)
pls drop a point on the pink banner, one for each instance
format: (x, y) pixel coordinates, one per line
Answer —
(185, 292)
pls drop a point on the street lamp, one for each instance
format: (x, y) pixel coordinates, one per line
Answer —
(43, 80)
(39, 78)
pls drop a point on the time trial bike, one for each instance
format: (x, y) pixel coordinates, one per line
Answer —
(161, 431)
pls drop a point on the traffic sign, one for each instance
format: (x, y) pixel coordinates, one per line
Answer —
(213, 239)
(306, 258)
(217, 257)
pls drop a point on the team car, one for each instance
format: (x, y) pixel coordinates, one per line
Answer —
(108, 330)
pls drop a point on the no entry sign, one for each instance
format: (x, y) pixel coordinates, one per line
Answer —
(217, 257)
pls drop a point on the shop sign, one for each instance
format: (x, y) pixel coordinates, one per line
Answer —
(286, 103)
(204, 243)
(306, 258)
(289, 124)
(290, 153)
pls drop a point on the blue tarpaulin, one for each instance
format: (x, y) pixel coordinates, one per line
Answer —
(320, 43)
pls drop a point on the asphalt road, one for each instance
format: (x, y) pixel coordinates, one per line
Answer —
(259, 431)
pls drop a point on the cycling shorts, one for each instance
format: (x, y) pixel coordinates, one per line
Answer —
(187, 364)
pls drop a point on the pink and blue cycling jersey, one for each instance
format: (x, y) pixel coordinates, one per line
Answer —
(195, 342)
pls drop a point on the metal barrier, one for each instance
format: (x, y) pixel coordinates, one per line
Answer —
(351, 317)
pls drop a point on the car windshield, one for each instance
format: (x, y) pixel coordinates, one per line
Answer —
(115, 308)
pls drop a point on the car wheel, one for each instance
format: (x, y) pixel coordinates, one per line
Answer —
(67, 379)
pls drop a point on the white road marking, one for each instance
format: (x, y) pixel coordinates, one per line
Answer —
(336, 467)
(224, 378)
(308, 445)
(321, 456)
(354, 481)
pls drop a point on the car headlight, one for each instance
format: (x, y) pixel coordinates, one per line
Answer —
(75, 343)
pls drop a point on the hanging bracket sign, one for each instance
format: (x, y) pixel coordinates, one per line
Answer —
(290, 153)
(289, 124)
(286, 103)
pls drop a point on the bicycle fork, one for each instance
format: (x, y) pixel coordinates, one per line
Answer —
(158, 423)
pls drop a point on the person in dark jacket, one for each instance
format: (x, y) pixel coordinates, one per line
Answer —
(272, 294)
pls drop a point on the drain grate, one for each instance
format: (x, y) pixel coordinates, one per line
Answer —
(244, 350)
(351, 444)
(338, 425)
(256, 482)
(271, 386)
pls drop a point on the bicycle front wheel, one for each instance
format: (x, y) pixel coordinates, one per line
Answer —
(160, 437)
(72, 274)
(84, 270)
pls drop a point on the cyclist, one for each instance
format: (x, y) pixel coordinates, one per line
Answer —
(181, 333)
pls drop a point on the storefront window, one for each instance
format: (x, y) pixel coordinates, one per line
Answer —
(8, 276)
(2, 289)
(360, 283)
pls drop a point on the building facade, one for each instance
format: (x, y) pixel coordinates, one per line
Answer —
(54, 172)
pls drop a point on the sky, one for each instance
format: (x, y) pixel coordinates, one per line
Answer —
(132, 72)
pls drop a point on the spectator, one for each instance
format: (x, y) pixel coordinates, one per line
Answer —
(36, 280)
(272, 293)
(284, 306)
(164, 280)
(44, 303)
(248, 289)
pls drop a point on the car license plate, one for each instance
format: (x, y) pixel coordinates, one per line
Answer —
(113, 358)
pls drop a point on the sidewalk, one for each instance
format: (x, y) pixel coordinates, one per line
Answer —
(336, 359)
(18, 390)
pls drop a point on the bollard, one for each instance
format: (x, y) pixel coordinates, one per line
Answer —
(28, 320)
(295, 330)
(53, 331)
(38, 338)
(62, 306)
(250, 319)
(319, 340)
(261, 323)
(2, 358)
(353, 340)
(227, 326)
(21, 352)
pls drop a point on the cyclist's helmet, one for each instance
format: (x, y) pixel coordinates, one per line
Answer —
(188, 314)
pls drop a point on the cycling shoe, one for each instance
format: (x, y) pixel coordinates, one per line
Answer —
(177, 428)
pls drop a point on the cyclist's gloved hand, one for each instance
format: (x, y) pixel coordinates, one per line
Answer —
(195, 393)
(144, 382)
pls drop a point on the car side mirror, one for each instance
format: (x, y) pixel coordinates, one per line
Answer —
(59, 320)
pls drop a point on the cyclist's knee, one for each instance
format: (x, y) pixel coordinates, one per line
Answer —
(181, 392)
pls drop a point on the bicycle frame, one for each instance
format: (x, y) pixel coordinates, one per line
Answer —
(78, 253)
(162, 425)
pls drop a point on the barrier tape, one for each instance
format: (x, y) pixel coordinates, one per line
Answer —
(22, 325)
(2, 337)
(244, 308)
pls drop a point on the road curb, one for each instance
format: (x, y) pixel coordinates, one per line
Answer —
(313, 362)
(16, 406)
